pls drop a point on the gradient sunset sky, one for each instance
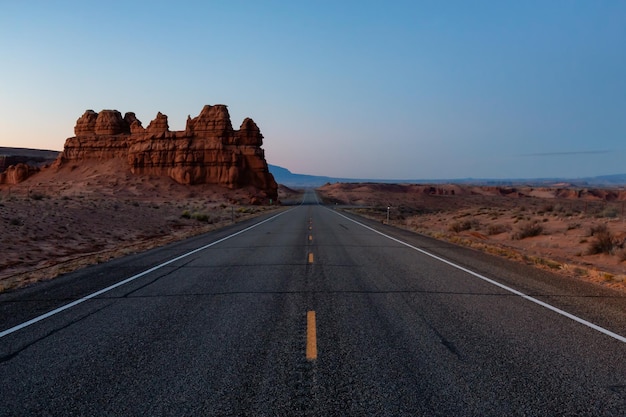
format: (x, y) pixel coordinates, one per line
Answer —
(360, 89)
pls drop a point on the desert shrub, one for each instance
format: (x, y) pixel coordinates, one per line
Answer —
(496, 229)
(572, 226)
(186, 215)
(607, 277)
(603, 241)
(201, 217)
(581, 272)
(547, 262)
(15, 222)
(598, 229)
(528, 230)
(609, 212)
(458, 227)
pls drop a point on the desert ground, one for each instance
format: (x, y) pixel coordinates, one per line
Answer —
(575, 232)
(61, 220)
(64, 219)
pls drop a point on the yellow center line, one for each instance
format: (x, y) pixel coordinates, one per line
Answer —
(311, 336)
(310, 257)
(310, 238)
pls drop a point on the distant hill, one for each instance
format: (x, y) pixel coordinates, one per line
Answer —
(619, 179)
(286, 177)
(32, 157)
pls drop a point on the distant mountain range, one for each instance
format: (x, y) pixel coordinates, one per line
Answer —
(286, 177)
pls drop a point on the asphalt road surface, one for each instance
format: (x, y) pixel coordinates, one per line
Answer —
(310, 311)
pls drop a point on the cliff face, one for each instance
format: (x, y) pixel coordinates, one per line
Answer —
(208, 151)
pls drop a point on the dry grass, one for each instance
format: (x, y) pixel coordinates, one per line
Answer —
(527, 230)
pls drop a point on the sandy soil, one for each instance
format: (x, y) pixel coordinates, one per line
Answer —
(61, 220)
(528, 225)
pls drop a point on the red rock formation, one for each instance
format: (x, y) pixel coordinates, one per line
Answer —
(110, 122)
(86, 124)
(159, 126)
(17, 173)
(208, 151)
(213, 121)
(250, 134)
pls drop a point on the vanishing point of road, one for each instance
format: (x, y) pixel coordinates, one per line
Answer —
(312, 311)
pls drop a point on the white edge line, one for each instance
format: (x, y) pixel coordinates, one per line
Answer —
(127, 280)
(497, 284)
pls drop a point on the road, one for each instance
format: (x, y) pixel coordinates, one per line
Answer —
(312, 312)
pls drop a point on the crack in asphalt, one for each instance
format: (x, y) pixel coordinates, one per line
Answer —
(14, 354)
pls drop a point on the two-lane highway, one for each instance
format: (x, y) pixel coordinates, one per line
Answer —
(312, 312)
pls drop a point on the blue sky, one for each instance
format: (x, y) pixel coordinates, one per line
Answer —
(363, 89)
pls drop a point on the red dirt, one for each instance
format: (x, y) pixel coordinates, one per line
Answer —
(492, 219)
(61, 220)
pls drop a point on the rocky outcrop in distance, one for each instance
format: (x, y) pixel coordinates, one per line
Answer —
(17, 164)
(208, 151)
(17, 173)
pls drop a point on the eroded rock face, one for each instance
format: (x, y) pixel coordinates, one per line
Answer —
(213, 121)
(159, 126)
(86, 124)
(250, 134)
(17, 173)
(110, 122)
(208, 151)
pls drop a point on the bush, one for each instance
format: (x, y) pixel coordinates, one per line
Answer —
(598, 229)
(496, 229)
(608, 212)
(528, 230)
(572, 226)
(458, 227)
(201, 217)
(603, 241)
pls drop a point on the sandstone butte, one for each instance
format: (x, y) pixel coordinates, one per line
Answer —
(208, 151)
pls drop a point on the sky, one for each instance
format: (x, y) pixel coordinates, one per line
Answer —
(356, 89)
